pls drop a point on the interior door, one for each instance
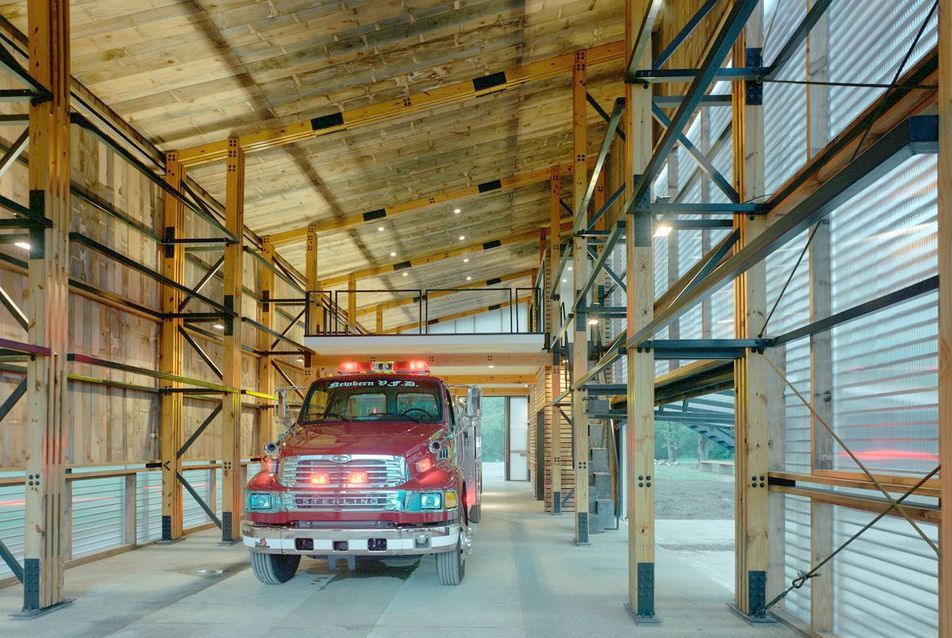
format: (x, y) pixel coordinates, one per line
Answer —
(518, 422)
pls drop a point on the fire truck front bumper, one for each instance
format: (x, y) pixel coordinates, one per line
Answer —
(409, 541)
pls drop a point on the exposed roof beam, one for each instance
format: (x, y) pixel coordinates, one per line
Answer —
(436, 294)
(388, 212)
(413, 103)
(431, 258)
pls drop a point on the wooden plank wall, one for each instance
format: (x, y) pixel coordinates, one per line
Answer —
(540, 395)
(113, 425)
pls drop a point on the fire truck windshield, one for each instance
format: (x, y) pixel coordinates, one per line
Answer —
(372, 399)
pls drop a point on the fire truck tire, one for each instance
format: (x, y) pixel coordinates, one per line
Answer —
(450, 566)
(474, 514)
(274, 569)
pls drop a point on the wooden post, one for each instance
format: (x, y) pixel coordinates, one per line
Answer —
(752, 372)
(580, 277)
(945, 312)
(639, 267)
(171, 353)
(130, 510)
(821, 347)
(266, 312)
(352, 303)
(232, 271)
(707, 318)
(554, 372)
(47, 506)
(313, 314)
(379, 322)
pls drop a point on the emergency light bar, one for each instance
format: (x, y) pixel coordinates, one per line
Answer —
(384, 367)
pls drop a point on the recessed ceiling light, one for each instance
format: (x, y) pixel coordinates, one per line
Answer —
(300, 359)
(457, 211)
(462, 237)
(593, 322)
(405, 274)
(565, 281)
(22, 244)
(570, 269)
(469, 278)
(662, 230)
(491, 365)
(218, 326)
(466, 260)
(393, 254)
(379, 229)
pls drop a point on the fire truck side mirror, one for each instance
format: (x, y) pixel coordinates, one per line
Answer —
(474, 398)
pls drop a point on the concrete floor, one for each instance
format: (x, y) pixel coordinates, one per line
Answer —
(524, 578)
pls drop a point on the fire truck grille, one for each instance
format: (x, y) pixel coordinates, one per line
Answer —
(362, 472)
(315, 501)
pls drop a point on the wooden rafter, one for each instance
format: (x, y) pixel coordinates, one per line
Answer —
(413, 103)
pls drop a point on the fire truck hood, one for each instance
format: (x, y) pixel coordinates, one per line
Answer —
(396, 438)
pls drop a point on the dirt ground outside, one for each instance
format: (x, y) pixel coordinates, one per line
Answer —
(684, 492)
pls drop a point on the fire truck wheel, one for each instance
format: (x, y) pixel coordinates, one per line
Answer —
(474, 514)
(274, 569)
(451, 565)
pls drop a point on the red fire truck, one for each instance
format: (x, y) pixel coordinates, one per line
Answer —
(380, 462)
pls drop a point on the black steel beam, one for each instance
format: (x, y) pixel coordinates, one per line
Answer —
(13, 153)
(198, 499)
(796, 38)
(700, 224)
(603, 114)
(11, 400)
(14, 309)
(713, 259)
(198, 431)
(665, 349)
(201, 353)
(683, 34)
(711, 99)
(874, 305)
(699, 158)
(580, 216)
(643, 38)
(593, 219)
(209, 274)
(11, 560)
(665, 76)
(717, 51)
(708, 208)
(914, 136)
(288, 328)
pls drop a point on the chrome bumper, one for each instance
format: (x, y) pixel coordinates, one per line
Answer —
(414, 541)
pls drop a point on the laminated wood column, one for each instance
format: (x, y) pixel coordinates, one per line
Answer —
(47, 504)
(266, 312)
(313, 313)
(171, 353)
(945, 312)
(752, 372)
(821, 349)
(553, 371)
(232, 271)
(579, 278)
(352, 303)
(639, 268)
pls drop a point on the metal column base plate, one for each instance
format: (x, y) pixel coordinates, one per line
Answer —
(641, 620)
(229, 543)
(171, 542)
(754, 620)
(27, 614)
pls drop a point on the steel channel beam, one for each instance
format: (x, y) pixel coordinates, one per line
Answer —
(719, 47)
(201, 353)
(643, 39)
(699, 158)
(10, 63)
(602, 113)
(874, 305)
(580, 217)
(709, 100)
(796, 38)
(603, 256)
(13, 153)
(11, 400)
(11, 561)
(709, 208)
(198, 499)
(683, 34)
(700, 224)
(155, 374)
(293, 322)
(14, 309)
(715, 257)
(563, 262)
(619, 280)
(914, 136)
(209, 274)
(198, 432)
(667, 76)
(608, 204)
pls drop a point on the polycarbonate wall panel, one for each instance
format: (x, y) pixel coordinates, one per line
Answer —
(785, 105)
(868, 40)
(886, 581)
(148, 506)
(11, 523)
(97, 516)
(796, 539)
(885, 402)
(194, 515)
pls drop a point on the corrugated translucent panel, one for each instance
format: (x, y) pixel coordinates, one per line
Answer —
(785, 105)
(11, 523)
(194, 515)
(796, 427)
(886, 582)
(884, 364)
(868, 40)
(722, 313)
(660, 265)
(148, 506)
(796, 549)
(97, 516)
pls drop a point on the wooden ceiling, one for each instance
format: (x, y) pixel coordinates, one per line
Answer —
(186, 72)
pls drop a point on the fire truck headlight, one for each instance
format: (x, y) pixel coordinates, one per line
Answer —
(258, 502)
(449, 499)
(431, 500)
